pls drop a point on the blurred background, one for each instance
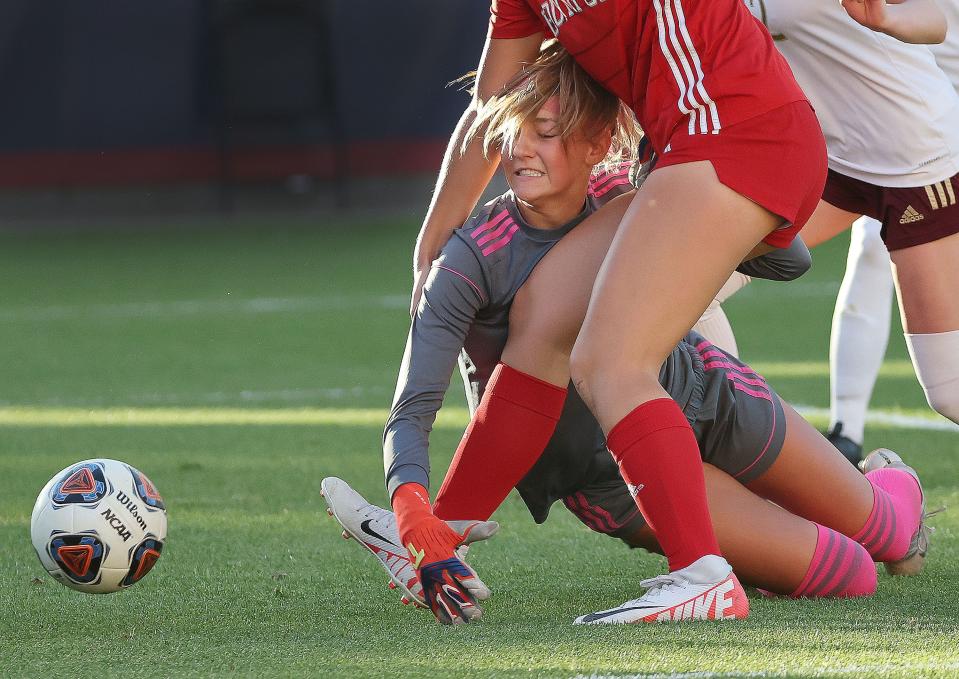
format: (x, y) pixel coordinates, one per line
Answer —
(207, 216)
(119, 108)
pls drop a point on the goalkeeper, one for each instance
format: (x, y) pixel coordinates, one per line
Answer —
(550, 145)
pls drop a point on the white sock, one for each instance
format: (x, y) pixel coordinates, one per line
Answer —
(936, 359)
(713, 324)
(860, 328)
(734, 284)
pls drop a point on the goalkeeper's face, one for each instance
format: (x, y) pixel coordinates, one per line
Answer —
(549, 173)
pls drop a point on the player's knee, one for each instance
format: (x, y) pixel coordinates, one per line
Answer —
(600, 375)
(581, 366)
(944, 399)
(936, 359)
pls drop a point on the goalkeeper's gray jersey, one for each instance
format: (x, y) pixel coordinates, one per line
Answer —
(463, 317)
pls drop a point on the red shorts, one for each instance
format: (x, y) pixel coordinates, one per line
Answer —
(776, 159)
(909, 216)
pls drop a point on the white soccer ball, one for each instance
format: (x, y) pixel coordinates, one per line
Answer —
(98, 526)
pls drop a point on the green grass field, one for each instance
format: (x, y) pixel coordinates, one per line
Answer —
(238, 366)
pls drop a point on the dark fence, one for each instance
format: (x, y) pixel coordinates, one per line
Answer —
(112, 92)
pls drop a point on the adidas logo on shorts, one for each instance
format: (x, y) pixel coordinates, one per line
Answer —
(910, 215)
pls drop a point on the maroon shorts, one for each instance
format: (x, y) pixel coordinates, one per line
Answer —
(777, 160)
(910, 216)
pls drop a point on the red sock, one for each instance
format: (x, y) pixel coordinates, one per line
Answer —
(895, 515)
(840, 567)
(508, 433)
(658, 455)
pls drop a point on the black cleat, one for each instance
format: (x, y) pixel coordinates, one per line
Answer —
(850, 450)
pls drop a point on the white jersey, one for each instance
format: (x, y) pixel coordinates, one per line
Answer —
(888, 112)
(947, 54)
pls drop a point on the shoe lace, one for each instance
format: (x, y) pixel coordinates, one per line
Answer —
(929, 513)
(662, 583)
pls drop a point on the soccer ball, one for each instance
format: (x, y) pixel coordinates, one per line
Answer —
(98, 526)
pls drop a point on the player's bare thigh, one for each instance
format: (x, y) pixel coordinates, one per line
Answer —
(548, 310)
(927, 280)
(811, 479)
(767, 546)
(682, 236)
(826, 222)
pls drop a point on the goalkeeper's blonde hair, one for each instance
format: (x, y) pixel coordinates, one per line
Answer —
(586, 107)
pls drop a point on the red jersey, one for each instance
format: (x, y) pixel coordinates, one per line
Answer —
(682, 65)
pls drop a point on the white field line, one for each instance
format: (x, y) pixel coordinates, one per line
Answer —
(908, 669)
(774, 370)
(321, 303)
(302, 396)
(228, 412)
(24, 416)
(889, 418)
(192, 307)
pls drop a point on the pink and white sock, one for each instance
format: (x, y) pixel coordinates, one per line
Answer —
(895, 514)
(840, 567)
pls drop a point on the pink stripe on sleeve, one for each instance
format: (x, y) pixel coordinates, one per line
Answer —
(493, 221)
(502, 242)
(601, 180)
(465, 278)
(609, 187)
(493, 235)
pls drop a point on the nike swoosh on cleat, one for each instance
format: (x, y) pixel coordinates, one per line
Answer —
(365, 527)
(605, 614)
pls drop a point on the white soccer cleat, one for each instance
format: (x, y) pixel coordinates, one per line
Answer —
(374, 528)
(705, 590)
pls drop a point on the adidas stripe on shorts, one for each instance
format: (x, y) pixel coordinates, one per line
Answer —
(909, 216)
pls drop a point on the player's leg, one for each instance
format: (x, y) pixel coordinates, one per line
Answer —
(648, 293)
(827, 222)
(767, 546)
(670, 257)
(927, 280)
(548, 311)
(770, 548)
(881, 510)
(860, 333)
